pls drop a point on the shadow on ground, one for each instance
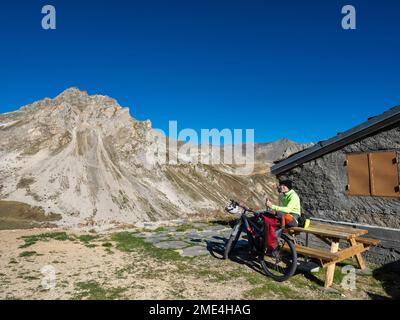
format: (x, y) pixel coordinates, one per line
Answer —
(389, 276)
(240, 255)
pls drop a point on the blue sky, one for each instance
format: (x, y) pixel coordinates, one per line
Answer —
(283, 68)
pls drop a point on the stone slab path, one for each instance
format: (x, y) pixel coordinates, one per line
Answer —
(196, 239)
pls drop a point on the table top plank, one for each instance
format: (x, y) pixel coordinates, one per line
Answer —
(323, 233)
(333, 227)
(322, 230)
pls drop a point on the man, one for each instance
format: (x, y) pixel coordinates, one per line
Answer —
(290, 210)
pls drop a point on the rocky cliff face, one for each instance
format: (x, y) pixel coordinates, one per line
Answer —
(86, 158)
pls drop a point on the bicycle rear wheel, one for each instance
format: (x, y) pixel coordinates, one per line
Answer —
(281, 264)
(233, 239)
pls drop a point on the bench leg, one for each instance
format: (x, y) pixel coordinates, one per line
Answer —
(330, 270)
(306, 258)
(359, 257)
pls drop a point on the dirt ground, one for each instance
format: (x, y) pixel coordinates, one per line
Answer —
(17, 215)
(71, 264)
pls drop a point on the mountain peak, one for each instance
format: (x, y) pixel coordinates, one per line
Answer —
(73, 91)
(285, 140)
(81, 100)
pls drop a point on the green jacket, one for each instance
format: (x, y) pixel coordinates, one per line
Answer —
(290, 203)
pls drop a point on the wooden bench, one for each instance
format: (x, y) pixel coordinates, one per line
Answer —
(367, 241)
(323, 256)
(327, 258)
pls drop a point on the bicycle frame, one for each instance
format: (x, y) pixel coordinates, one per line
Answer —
(278, 264)
(252, 230)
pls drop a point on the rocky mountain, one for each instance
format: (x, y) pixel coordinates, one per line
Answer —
(271, 152)
(84, 157)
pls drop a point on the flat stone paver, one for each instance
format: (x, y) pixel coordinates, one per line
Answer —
(194, 251)
(191, 242)
(226, 233)
(217, 239)
(216, 228)
(143, 235)
(195, 235)
(200, 225)
(207, 233)
(198, 242)
(161, 233)
(172, 245)
(170, 229)
(156, 239)
(178, 234)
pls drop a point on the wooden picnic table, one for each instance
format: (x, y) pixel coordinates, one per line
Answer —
(332, 234)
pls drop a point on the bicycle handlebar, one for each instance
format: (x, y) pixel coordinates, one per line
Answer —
(248, 209)
(243, 207)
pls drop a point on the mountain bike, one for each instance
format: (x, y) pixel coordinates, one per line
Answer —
(279, 264)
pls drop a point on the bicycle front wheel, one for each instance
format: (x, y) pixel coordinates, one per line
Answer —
(233, 239)
(281, 264)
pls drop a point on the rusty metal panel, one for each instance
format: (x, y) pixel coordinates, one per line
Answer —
(384, 174)
(358, 174)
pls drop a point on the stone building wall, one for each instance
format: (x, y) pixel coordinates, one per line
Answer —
(321, 185)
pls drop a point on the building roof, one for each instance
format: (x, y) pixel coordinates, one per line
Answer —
(372, 125)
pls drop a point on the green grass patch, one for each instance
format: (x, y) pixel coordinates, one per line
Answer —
(263, 287)
(128, 242)
(268, 288)
(271, 289)
(217, 276)
(300, 281)
(31, 240)
(107, 244)
(30, 278)
(222, 221)
(28, 254)
(185, 227)
(86, 239)
(92, 290)
(27, 275)
(338, 276)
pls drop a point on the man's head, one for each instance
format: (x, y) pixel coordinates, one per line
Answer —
(285, 186)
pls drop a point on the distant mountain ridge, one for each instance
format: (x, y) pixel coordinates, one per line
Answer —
(278, 150)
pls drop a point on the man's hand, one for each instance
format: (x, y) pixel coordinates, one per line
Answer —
(269, 204)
